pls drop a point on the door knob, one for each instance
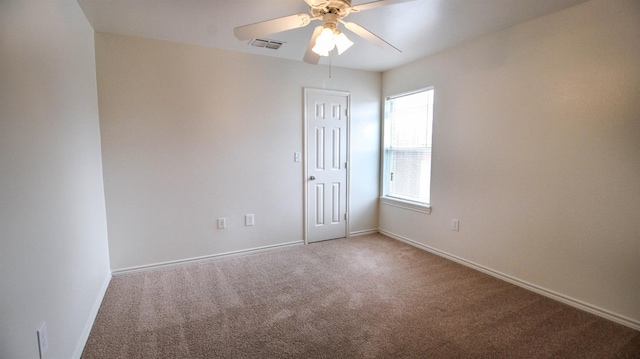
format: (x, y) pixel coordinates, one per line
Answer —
(312, 178)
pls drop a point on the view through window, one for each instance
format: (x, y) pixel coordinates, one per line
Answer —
(408, 134)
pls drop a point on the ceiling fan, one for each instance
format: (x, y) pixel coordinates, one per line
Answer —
(325, 37)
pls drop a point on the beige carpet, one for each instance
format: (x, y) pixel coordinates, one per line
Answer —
(365, 297)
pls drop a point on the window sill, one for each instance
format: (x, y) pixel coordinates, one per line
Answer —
(412, 206)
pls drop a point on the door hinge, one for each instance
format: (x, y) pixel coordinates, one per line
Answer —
(391, 176)
(346, 165)
(346, 216)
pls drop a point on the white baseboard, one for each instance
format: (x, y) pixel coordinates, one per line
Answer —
(84, 336)
(130, 270)
(633, 324)
(363, 233)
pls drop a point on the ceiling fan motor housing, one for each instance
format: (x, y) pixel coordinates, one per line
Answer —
(341, 8)
(330, 21)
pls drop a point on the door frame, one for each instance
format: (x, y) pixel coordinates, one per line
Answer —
(347, 94)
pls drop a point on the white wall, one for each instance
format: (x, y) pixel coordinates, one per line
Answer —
(54, 262)
(190, 134)
(537, 152)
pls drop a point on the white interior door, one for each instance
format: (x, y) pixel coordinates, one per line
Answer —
(326, 116)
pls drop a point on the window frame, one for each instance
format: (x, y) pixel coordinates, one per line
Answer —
(386, 198)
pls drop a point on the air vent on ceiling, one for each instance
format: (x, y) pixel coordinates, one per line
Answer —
(269, 44)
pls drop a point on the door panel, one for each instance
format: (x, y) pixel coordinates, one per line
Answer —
(319, 204)
(327, 130)
(335, 141)
(319, 152)
(335, 203)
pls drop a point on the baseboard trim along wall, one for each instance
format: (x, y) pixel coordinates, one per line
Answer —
(521, 283)
(125, 271)
(363, 233)
(92, 318)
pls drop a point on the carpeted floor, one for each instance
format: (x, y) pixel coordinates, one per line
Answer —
(364, 297)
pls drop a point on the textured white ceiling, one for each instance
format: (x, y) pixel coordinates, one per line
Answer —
(419, 28)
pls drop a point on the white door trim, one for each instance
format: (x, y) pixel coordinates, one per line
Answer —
(307, 92)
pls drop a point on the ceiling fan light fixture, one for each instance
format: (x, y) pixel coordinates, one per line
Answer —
(342, 42)
(320, 53)
(325, 37)
(324, 43)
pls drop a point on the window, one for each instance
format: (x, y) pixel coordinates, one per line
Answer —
(407, 147)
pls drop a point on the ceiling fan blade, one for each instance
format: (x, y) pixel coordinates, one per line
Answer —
(375, 4)
(311, 57)
(368, 35)
(280, 24)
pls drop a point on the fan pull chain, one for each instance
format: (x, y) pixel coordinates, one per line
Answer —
(330, 63)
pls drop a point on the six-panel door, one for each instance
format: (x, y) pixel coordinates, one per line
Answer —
(326, 166)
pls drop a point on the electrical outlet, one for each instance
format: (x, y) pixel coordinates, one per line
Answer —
(248, 220)
(222, 223)
(297, 157)
(455, 225)
(43, 340)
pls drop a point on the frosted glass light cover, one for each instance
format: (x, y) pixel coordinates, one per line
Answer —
(324, 43)
(342, 42)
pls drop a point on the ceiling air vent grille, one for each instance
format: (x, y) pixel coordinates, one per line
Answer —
(269, 44)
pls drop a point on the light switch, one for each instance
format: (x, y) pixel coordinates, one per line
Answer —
(455, 225)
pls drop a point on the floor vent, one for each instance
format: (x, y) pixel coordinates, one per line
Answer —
(269, 44)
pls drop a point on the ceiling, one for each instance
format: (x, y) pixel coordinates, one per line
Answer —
(418, 28)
